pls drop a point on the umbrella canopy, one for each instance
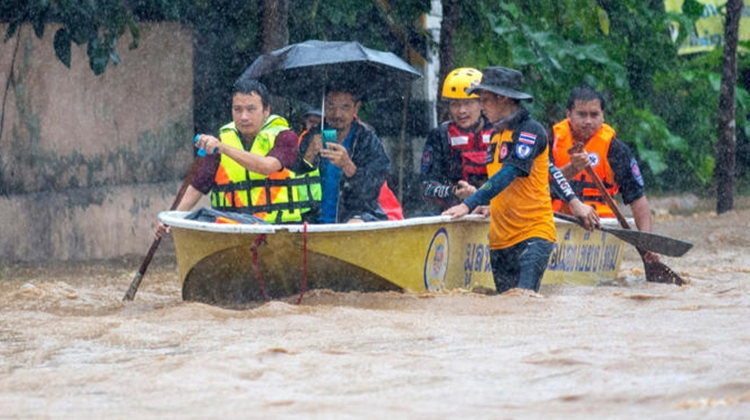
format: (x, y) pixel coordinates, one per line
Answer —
(303, 71)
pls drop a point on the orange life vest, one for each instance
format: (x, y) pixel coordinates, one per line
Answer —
(597, 149)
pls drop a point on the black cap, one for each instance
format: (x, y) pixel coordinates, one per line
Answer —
(502, 81)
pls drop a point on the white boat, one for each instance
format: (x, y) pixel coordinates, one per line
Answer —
(229, 264)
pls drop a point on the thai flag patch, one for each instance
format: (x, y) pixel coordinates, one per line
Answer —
(527, 138)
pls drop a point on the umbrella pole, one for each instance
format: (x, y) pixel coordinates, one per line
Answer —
(323, 110)
(402, 147)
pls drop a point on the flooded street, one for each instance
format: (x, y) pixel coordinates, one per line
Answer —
(70, 348)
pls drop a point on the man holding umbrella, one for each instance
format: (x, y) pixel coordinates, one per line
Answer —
(354, 164)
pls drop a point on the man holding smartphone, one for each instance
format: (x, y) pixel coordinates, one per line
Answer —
(354, 163)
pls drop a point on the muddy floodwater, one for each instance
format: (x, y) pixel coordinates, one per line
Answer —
(629, 349)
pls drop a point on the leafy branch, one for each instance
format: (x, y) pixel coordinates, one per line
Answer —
(98, 24)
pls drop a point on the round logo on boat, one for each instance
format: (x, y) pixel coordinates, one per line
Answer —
(436, 261)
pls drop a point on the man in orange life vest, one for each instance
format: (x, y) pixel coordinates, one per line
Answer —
(251, 150)
(454, 155)
(610, 159)
(522, 227)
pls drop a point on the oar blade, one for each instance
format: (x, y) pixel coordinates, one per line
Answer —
(651, 241)
(658, 272)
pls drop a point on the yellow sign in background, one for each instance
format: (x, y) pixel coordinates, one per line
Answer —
(709, 28)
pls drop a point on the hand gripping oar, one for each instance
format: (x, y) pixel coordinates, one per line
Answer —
(643, 240)
(130, 294)
(656, 272)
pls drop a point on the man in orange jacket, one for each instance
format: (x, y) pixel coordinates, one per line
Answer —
(597, 147)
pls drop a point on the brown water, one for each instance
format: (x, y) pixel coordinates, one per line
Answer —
(70, 348)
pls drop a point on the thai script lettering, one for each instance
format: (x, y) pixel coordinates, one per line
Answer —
(477, 260)
(584, 257)
(591, 254)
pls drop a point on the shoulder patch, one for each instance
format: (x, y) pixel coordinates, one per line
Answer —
(503, 151)
(523, 150)
(636, 171)
(426, 158)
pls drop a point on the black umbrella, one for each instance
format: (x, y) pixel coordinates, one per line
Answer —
(302, 71)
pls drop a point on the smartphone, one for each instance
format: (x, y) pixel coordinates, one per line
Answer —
(329, 136)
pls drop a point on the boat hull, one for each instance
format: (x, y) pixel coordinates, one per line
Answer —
(229, 264)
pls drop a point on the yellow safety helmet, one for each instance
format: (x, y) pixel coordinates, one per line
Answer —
(459, 80)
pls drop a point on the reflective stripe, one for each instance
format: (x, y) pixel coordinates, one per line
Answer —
(471, 146)
(309, 189)
(273, 197)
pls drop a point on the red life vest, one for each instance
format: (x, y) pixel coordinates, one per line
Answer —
(473, 150)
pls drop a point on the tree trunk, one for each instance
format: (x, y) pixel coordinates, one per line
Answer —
(274, 31)
(451, 14)
(725, 147)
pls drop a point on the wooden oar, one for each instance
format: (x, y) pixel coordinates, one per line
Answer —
(656, 272)
(130, 294)
(643, 240)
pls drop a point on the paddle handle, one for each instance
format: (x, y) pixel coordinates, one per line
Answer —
(605, 194)
(130, 294)
(576, 220)
(608, 198)
(611, 202)
(655, 271)
(569, 218)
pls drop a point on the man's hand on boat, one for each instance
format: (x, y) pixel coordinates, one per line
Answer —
(459, 210)
(161, 230)
(483, 211)
(586, 214)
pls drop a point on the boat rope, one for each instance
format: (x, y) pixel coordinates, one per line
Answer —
(260, 240)
(304, 263)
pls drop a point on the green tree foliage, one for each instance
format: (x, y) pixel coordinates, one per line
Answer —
(663, 105)
(375, 23)
(98, 24)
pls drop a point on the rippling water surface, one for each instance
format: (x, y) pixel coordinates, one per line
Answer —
(70, 348)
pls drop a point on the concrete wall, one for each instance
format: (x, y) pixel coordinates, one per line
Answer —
(87, 162)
